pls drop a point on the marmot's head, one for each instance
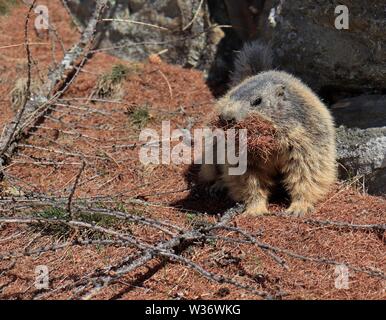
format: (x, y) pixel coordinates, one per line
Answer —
(258, 105)
(260, 95)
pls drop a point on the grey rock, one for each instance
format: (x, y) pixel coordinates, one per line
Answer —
(377, 182)
(363, 152)
(361, 139)
(367, 111)
(185, 35)
(307, 44)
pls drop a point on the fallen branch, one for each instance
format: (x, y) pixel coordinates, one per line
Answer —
(70, 197)
(56, 84)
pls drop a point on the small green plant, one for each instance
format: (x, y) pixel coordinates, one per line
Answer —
(6, 6)
(97, 219)
(61, 229)
(211, 242)
(196, 221)
(257, 262)
(190, 217)
(121, 207)
(109, 83)
(136, 212)
(140, 116)
(54, 229)
(53, 213)
(119, 72)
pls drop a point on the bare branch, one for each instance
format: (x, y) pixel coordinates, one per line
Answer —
(74, 188)
(57, 83)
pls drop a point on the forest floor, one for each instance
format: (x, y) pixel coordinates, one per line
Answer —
(105, 131)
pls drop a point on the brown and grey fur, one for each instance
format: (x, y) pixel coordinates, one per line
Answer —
(305, 133)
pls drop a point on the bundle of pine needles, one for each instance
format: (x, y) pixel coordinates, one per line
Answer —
(261, 134)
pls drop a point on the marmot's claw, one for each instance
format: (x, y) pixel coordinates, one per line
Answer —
(258, 210)
(299, 210)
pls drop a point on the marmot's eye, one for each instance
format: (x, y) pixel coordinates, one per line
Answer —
(255, 102)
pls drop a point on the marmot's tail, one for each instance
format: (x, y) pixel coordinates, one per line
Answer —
(253, 58)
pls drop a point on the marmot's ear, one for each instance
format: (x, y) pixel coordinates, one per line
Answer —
(280, 90)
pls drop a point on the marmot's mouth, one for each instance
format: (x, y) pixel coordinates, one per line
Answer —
(222, 123)
(261, 134)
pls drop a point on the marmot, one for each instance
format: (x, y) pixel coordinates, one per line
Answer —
(306, 136)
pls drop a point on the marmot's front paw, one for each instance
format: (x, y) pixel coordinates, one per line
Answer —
(256, 209)
(299, 209)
